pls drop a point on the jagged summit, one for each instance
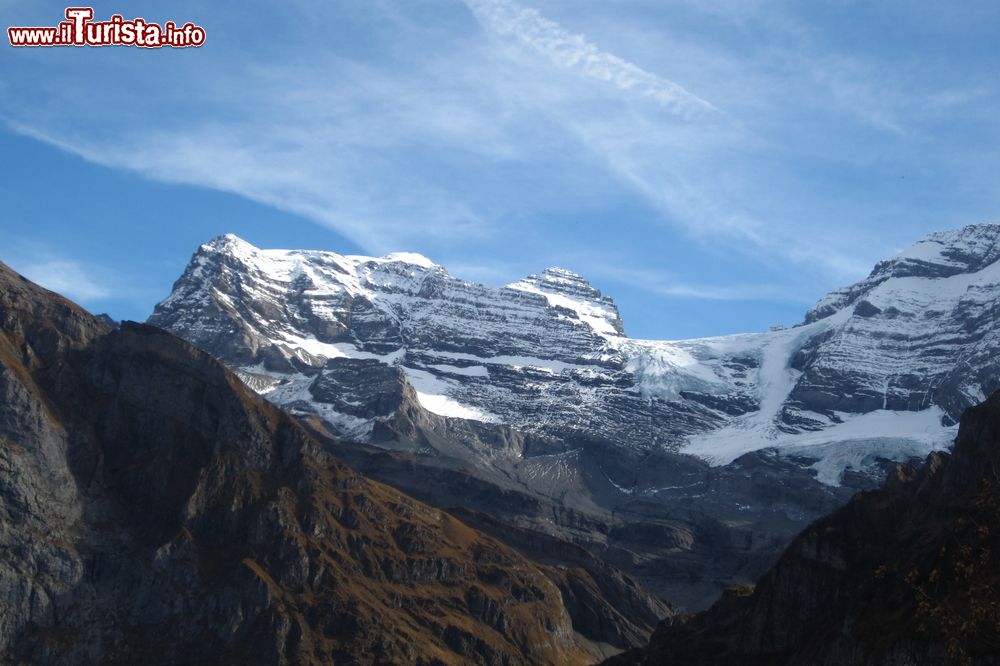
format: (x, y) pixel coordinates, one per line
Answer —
(564, 288)
(292, 311)
(409, 258)
(233, 245)
(967, 250)
(557, 271)
(559, 280)
(945, 254)
(228, 240)
(561, 287)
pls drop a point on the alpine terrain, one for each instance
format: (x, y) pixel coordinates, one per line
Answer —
(688, 463)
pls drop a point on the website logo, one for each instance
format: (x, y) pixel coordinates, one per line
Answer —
(80, 29)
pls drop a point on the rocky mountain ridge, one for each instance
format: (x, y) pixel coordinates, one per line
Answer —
(547, 354)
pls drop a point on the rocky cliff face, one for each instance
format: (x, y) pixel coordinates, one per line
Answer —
(156, 511)
(904, 575)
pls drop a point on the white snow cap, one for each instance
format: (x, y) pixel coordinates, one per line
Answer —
(234, 245)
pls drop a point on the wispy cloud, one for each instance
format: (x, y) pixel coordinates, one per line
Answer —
(349, 154)
(69, 278)
(572, 51)
(667, 284)
(692, 165)
(710, 292)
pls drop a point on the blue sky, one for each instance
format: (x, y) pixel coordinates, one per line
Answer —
(714, 166)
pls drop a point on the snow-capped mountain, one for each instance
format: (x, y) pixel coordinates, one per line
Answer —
(546, 353)
(880, 369)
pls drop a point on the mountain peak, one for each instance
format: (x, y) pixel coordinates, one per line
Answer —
(228, 241)
(232, 245)
(961, 255)
(965, 250)
(555, 280)
(564, 288)
(410, 258)
(557, 272)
